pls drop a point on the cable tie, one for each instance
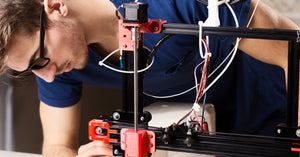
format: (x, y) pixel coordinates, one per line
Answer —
(209, 54)
(196, 107)
(200, 23)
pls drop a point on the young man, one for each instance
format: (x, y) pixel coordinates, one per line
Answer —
(62, 61)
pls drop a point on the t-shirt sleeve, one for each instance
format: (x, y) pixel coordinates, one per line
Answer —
(226, 18)
(62, 92)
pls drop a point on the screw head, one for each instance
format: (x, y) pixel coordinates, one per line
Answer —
(98, 130)
(298, 132)
(116, 116)
(279, 131)
(116, 152)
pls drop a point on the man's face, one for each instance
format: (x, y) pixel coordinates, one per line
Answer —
(64, 44)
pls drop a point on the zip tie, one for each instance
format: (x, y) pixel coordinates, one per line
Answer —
(209, 54)
(200, 23)
(196, 107)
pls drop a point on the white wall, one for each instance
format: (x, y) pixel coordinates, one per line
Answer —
(290, 8)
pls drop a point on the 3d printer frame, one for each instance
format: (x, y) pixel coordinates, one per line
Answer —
(112, 129)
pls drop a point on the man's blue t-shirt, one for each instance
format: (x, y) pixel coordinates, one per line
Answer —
(248, 98)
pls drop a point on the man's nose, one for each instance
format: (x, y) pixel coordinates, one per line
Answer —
(47, 73)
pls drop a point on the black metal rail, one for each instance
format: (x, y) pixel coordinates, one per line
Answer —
(220, 144)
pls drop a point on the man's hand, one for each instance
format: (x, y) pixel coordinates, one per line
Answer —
(95, 148)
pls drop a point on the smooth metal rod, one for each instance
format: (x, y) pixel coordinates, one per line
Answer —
(135, 37)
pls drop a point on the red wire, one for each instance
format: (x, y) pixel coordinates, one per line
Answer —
(202, 85)
(204, 75)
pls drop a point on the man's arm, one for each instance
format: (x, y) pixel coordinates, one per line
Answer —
(60, 130)
(269, 51)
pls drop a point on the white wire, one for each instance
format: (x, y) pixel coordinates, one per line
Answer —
(254, 10)
(126, 72)
(101, 63)
(104, 59)
(200, 23)
(174, 95)
(221, 63)
(235, 49)
(233, 55)
(188, 90)
(206, 52)
(233, 14)
(195, 75)
(170, 96)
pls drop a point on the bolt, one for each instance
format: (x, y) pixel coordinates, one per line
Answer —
(90, 137)
(116, 116)
(279, 131)
(116, 152)
(142, 119)
(155, 28)
(298, 132)
(150, 136)
(150, 145)
(98, 130)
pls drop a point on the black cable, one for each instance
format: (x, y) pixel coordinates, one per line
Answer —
(156, 46)
(167, 36)
(117, 14)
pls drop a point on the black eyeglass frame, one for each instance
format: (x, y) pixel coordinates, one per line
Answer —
(34, 65)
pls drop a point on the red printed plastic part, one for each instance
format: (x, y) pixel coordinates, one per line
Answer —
(137, 144)
(99, 130)
(125, 42)
(205, 127)
(294, 149)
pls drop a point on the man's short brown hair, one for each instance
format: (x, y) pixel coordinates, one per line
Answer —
(17, 17)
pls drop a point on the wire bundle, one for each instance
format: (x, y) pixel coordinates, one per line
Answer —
(201, 87)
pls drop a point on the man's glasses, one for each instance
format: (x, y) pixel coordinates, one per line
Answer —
(40, 62)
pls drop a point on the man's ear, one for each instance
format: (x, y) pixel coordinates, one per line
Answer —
(58, 7)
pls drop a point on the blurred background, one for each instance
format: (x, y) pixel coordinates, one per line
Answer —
(290, 8)
(20, 127)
